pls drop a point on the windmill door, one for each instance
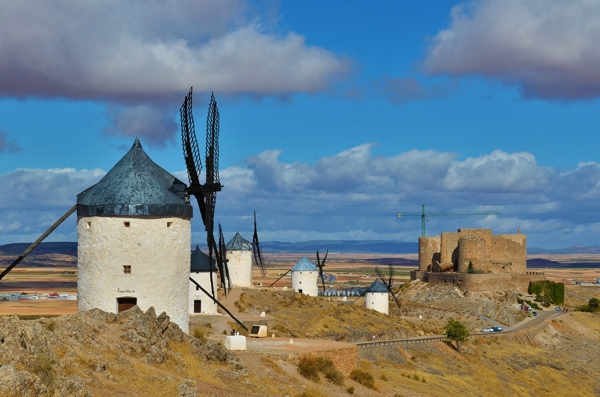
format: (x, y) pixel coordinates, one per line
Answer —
(126, 303)
(197, 306)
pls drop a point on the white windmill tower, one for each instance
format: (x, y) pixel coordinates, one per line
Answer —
(304, 277)
(239, 256)
(133, 234)
(377, 297)
(377, 294)
(201, 272)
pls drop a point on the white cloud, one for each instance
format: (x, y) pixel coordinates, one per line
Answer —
(354, 194)
(549, 49)
(497, 172)
(39, 189)
(144, 56)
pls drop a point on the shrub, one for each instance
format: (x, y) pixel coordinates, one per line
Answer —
(350, 390)
(592, 306)
(199, 333)
(363, 377)
(554, 292)
(313, 393)
(43, 366)
(51, 326)
(310, 367)
(333, 375)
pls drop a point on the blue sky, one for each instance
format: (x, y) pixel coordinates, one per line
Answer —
(335, 115)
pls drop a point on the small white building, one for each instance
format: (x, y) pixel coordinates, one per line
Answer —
(239, 261)
(377, 297)
(304, 277)
(200, 272)
(134, 237)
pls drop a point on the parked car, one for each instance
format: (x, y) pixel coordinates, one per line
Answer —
(558, 309)
(487, 330)
(498, 329)
(534, 314)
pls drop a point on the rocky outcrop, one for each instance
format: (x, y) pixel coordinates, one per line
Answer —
(62, 356)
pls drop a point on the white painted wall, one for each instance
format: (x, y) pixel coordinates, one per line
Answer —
(159, 257)
(240, 268)
(208, 306)
(306, 281)
(378, 301)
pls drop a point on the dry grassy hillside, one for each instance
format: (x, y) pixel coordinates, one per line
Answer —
(141, 354)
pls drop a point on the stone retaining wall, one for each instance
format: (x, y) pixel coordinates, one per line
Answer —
(345, 360)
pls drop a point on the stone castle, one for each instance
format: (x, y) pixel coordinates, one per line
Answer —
(499, 262)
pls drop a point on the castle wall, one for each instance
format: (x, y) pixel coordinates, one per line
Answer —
(485, 282)
(378, 301)
(471, 250)
(305, 281)
(240, 267)
(208, 306)
(156, 248)
(429, 252)
(510, 249)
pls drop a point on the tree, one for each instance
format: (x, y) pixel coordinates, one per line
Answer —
(457, 332)
(594, 305)
(470, 269)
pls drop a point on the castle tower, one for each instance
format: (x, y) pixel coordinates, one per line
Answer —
(200, 272)
(134, 237)
(429, 252)
(377, 297)
(304, 277)
(239, 256)
(471, 250)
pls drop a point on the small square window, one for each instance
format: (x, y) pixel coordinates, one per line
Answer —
(126, 224)
(197, 288)
(127, 269)
(88, 225)
(169, 224)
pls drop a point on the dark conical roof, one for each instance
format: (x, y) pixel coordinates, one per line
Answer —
(238, 243)
(377, 286)
(136, 185)
(199, 262)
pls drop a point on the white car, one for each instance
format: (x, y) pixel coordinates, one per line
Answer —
(487, 330)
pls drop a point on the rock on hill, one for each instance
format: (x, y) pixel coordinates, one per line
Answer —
(83, 353)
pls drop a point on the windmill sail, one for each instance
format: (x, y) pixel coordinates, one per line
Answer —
(206, 194)
(389, 282)
(257, 256)
(321, 265)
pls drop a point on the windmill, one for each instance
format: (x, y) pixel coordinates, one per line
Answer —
(257, 251)
(321, 265)
(389, 282)
(206, 194)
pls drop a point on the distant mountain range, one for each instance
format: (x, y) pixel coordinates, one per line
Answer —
(350, 246)
(355, 246)
(16, 249)
(574, 249)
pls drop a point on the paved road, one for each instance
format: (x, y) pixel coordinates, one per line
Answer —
(527, 323)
